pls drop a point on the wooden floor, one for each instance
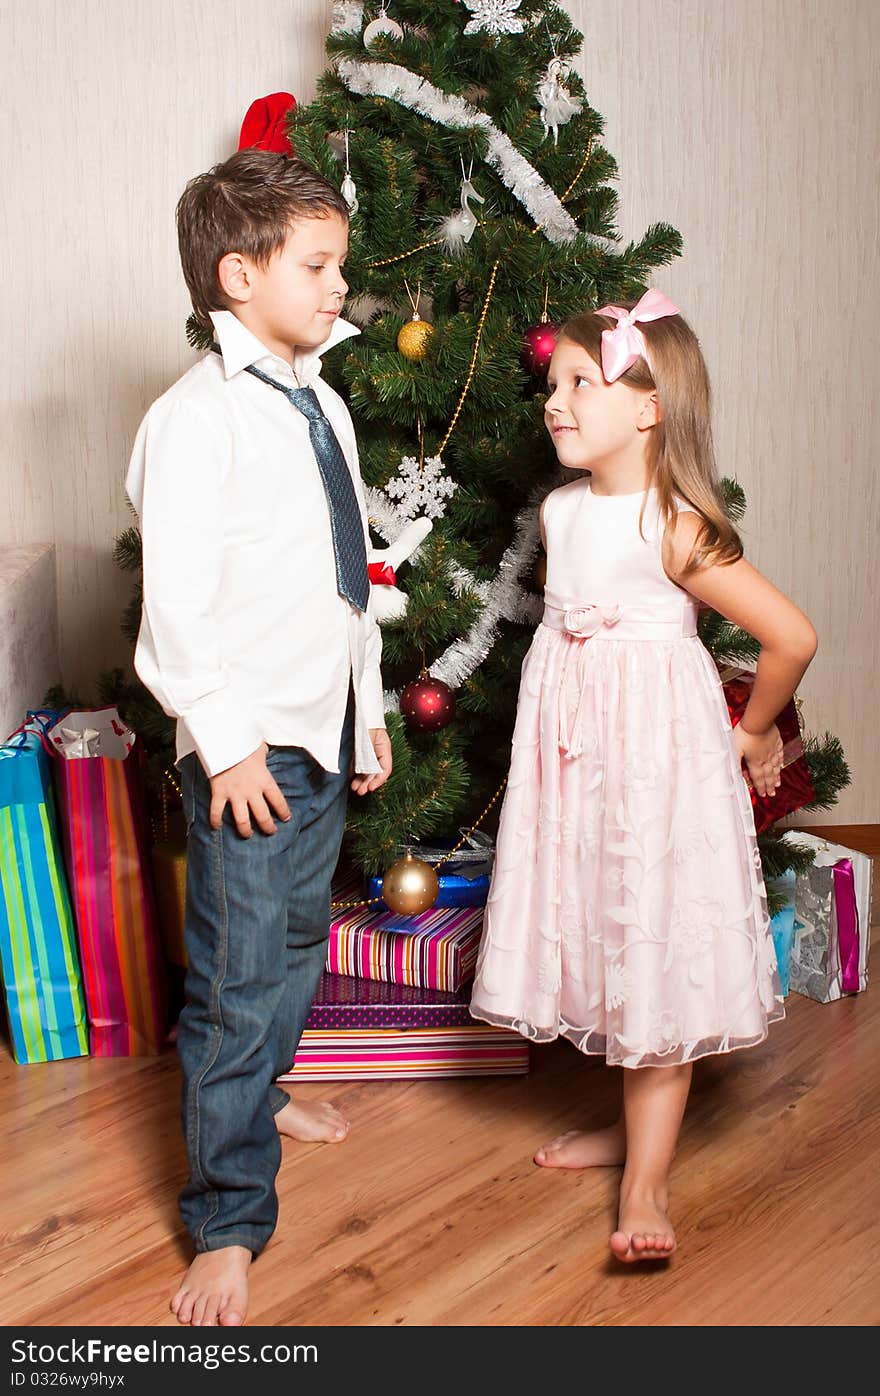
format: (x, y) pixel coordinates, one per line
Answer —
(432, 1212)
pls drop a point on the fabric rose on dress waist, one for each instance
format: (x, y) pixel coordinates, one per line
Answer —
(584, 621)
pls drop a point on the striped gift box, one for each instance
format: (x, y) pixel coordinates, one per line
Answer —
(386, 1054)
(436, 950)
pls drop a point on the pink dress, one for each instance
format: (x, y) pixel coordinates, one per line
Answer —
(627, 909)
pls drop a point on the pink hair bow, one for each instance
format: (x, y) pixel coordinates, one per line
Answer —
(626, 343)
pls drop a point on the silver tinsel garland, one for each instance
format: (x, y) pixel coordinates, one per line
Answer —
(400, 85)
(522, 179)
(504, 598)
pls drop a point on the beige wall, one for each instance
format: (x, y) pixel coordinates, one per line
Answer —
(752, 125)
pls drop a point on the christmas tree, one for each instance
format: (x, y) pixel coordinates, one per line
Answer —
(483, 214)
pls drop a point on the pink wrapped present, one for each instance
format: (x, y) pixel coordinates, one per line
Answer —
(390, 1055)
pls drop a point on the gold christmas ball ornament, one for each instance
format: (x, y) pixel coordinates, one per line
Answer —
(413, 338)
(410, 886)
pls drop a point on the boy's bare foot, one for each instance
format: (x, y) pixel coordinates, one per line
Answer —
(644, 1229)
(313, 1122)
(585, 1149)
(214, 1289)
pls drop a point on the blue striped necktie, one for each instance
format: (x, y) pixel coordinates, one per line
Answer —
(352, 578)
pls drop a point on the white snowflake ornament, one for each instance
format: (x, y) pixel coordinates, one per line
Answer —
(494, 17)
(421, 491)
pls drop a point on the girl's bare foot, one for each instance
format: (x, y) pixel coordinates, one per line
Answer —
(644, 1229)
(214, 1289)
(312, 1122)
(585, 1149)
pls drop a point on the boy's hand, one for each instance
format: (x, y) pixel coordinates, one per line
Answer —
(249, 790)
(362, 785)
(762, 753)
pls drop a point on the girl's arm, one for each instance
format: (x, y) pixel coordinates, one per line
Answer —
(788, 641)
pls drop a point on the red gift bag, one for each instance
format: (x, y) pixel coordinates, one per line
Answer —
(795, 787)
(102, 816)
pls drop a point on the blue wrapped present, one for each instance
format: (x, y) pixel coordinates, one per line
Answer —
(464, 879)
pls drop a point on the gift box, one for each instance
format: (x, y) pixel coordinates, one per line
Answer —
(464, 878)
(832, 905)
(782, 927)
(366, 1029)
(435, 950)
(796, 787)
(42, 979)
(345, 1002)
(390, 1055)
(103, 823)
(169, 879)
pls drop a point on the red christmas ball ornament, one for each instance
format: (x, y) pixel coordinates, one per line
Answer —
(427, 704)
(537, 346)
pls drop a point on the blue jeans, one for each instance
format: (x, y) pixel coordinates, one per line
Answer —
(257, 923)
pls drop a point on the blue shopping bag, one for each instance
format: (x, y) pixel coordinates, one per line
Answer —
(42, 981)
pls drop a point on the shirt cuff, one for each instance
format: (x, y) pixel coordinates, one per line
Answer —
(222, 735)
(371, 697)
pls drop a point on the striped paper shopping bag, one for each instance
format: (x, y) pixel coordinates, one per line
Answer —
(103, 822)
(41, 971)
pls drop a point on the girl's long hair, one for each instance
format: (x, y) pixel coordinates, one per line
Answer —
(682, 457)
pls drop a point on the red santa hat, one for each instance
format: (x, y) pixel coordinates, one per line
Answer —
(265, 124)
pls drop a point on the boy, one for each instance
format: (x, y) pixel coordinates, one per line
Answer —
(256, 636)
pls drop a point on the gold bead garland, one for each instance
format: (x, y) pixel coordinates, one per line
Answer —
(401, 256)
(471, 370)
(473, 828)
(584, 163)
(168, 779)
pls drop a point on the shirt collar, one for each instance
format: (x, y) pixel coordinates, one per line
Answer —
(240, 348)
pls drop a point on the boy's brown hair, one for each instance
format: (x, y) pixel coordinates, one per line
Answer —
(246, 204)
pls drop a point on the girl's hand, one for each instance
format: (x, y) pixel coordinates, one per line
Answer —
(762, 753)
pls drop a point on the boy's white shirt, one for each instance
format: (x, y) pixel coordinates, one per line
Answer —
(244, 636)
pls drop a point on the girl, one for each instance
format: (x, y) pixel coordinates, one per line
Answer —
(627, 909)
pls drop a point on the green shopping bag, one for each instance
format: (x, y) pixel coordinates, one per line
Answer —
(41, 972)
